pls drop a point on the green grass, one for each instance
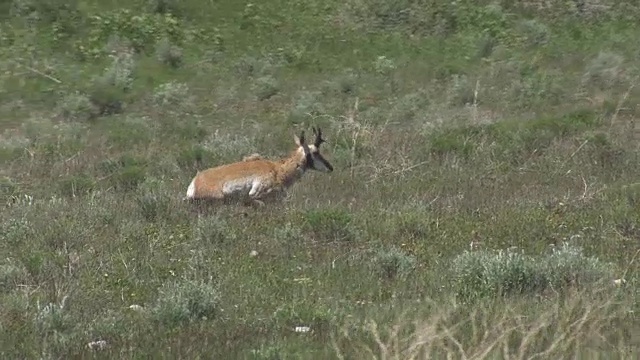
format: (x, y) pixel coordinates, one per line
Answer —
(485, 196)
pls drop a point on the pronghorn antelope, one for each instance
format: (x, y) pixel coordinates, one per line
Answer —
(256, 178)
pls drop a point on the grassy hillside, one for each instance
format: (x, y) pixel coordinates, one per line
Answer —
(485, 202)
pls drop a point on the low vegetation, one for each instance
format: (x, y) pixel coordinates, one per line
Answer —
(484, 202)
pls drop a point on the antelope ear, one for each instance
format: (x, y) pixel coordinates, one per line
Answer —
(299, 140)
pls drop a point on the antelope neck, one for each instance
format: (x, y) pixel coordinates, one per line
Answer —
(292, 168)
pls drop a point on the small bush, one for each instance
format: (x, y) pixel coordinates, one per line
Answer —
(171, 94)
(108, 91)
(462, 91)
(128, 178)
(384, 66)
(266, 87)
(392, 263)
(169, 54)
(344, 84)
(226, 145)
(12, 273)
(486, 46)
(142, 30)
(7, 186)
(125, 173)
(193, 158)
(604, 71)
(165, 6)
(185, 301)
(76, 185)
(288, 233)
(410, 106)
(460, 141)
(306, 105)
(567, 266)
(152, 202)
(153, 205)
(535, 33)
(129, 131)
(486, 273)
(247, 66)
(214, 230)
(16, 231)
(329, 225)
(77, 106)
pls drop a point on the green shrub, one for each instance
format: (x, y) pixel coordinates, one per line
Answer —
(108, 91)
(411, 106)
(7, 186)
(76, 185)
(568, 266)
(129, 131)
(247, 66)
(12, 273)
(484, 273)
(266, 87)
(77, 106)
(535, 32)
(604, 71)
(165, 6)
(128, 178)
(16, 231)
(153, 205)
(392, 263)
(171, 94)
(194, 158)
(510, 139)
(168, 53)
(214, 230)
(142, 30)
(183, 301)
(125, 173)
(152, 201)
(328, 225)
(306, 104)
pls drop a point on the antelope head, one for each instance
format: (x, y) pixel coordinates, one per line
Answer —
(313, 158)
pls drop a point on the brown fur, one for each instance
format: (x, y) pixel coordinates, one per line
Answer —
(257, 178)
(276, 174)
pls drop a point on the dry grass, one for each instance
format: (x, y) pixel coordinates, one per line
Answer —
(585, 323)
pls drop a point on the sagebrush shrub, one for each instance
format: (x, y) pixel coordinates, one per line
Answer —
(329, 225)
(153, 205)
(392, 262)
(462, 91)
(183, 301)
(76, 185)
(266, 87)
(507, 272)
(306, 104)
(164, 6)
(168, 53)
(172, 93)
(12, 273)
(109, 90)
(142, 30)
(604, 71)
(568, 266)
(535, 32)
(77, 106)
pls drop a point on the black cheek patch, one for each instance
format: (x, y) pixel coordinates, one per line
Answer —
(309, 161)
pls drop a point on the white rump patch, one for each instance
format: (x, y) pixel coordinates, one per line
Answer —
(191, 190)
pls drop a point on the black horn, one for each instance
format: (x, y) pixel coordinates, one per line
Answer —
(318, 133)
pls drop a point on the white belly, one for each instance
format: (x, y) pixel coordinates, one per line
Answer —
(239, 186)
